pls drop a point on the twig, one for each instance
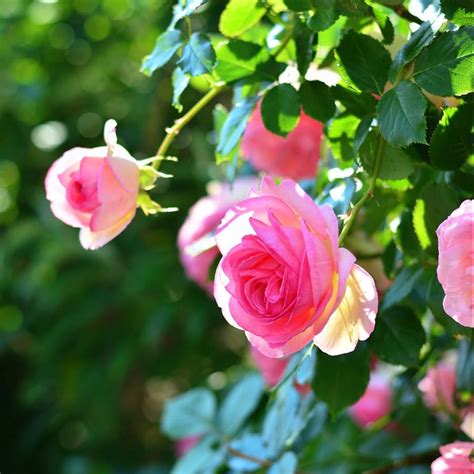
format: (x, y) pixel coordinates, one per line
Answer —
(402, 12)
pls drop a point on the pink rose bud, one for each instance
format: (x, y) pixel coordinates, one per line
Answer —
(374, 404)
(438, 388)
(295, 156)
(196, 241)
(183, 445)
(272, 369)
(456, 263)
(283, 278)
(455, 459)
(95, 189)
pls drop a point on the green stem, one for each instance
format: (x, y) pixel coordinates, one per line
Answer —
(179, 124)
(368, 194)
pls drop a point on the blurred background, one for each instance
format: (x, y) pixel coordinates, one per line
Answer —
(92, 343)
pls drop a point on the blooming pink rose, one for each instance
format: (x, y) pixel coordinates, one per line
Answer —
(95, 189)
(455, 459)
(197, 247)
(438, 387)
(283, 278)
(295, 156)
(374, 404)
(456, 263)
(272, 369)
(183, 445)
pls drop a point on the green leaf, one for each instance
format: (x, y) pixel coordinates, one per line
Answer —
(341, 131)
(402, 286)
(299, 5)
(401, 113)
(285, 465)
(398, 337)
(201, 459)
(198, 55)
(239, 59)
(365, 60)
(361, 134)
(317, 100)
(166, 46)
(419, 224)
(239, 16)
(341, 380)
(385, 25)
(451, 142)
(460, 12)
(189, 414)
(440, 200)
(445, 67)
(235, 125)
(180, 81)
(305, 41)
(419, 40)
(185, 8)
(359, 104)
(324, 16)
(465, 365)
(240, 403)
(395, 164)
(281, 109)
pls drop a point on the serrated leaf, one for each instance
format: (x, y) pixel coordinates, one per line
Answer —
(401, 112)
(460, 12)
(240, 403)
(419, 224)
(341, 380)
(325, 15)
(166, 46)
(362, 132)
(402, 286)
(305, 41)
(395, 163)
(317, 100)
(451, 143)
(445, 67)
(359, 104)
(239, 16)
(398, 337)
(340, 133)
(180, 81)
(185, 8)
(281, 109)
(365, 60)
(235, 125)
(189, 414)
(419, 40)
(198, 55)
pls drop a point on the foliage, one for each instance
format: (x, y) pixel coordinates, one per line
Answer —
(96, 345)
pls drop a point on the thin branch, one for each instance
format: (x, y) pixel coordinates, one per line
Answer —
(402, 12)
(238, 454)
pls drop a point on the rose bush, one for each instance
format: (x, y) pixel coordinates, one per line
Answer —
(456, 263)
(283, 278)
(95, 189)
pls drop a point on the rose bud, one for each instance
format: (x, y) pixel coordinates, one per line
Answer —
(95, 189)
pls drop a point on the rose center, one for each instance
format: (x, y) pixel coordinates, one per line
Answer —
(81, 196)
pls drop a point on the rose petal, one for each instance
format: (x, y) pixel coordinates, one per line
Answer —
(354, 318)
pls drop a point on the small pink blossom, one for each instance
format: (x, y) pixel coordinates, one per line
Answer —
(456, 263)
(455, 459)
(438, 387)
(374, 404)
(295, 156)
(95, 189)
(197, 247)
(283, 278)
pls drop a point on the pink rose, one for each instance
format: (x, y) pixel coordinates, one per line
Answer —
(374, 404)
(196, 243)
(95, 189)
(283, 278)
(455, 459)
(183, 445)
(295, 156)
(438, 387)
(272, 369)
(456, 263)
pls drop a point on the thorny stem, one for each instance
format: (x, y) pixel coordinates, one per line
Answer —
(369, 193)
(179, 124)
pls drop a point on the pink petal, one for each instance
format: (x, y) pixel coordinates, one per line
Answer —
(354, 319)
